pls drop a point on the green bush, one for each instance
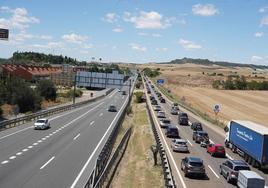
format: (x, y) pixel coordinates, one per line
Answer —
(138, 85)
(78, 93)
(139, 95)
(47, 89)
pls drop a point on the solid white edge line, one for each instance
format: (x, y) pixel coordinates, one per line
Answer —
(76, 136)
(47, 162)
(213, 171)
(92, 122)
(228, 156)
(172, 158)
(92, 154)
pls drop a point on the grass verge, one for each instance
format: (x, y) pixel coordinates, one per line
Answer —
(136, 168)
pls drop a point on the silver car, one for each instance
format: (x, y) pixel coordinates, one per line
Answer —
(164, 122)
(179, 145)
(42, 124)
(161, 114)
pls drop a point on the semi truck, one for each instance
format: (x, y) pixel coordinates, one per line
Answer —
(250, 140)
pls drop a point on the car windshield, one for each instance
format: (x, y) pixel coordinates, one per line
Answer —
(196, 164)
(166, 121)
(181, 142)
(173, 129)
(237, 168)
(41, 121)
(203, 134)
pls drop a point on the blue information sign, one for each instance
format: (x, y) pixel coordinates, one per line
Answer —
(160, 81)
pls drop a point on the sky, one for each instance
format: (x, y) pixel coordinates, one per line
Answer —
(138, 31)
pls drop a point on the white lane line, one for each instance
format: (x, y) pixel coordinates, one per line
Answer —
(96, 148)
(44, 138)
(39, 141)
(213, 171)
(12, 157)
(35, 144)
(19, 153)
(24, 150)
(76, 136)
(228, 156)
(47, 163)
(189, 142)
(47, 136)
(30, 147)
(112, 95)
(4, 162)
(16, 132)
(54, 118)
(211, 141)
(92, 122)
(101, 114)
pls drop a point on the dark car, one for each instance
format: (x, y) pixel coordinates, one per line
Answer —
(157, 108)
(149, 91)
(152, 98)
(164, 123)
(162, 100)
(200, 136)
(196, 126)
(183, 118)
(161, 114)
(230, 168)
(172, 131)
(112, 108)
(154, 102)
(193, 166)
(174, 110)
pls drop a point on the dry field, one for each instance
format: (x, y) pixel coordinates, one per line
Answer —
(188, 80)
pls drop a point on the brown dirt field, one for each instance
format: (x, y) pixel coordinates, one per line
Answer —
(245, 105)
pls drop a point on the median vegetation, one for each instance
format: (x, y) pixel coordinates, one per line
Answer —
(137, 166)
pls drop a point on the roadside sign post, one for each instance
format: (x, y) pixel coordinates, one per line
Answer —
(160, 81)
(216, 110)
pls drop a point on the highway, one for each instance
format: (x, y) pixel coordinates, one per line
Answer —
(54, 157)
(214, 179)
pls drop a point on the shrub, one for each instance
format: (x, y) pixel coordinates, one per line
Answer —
(129, 110)
(78, 93)
(47, 89)
(139, 95)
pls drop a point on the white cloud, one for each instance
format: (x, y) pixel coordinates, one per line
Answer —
(18, 20)
(45, 37)
(49, 45)
(189, 45)
(258, 34)
(148, 20)
(156, 35)
(182, 21)
(263, 9)
(74, 38)
(87, 46)
(137, 47)
(161, 49)
(204, 10)
(142, 34)
(111, 17)
(114, 47)
(118, 30)
(264, 21)
(255, 58)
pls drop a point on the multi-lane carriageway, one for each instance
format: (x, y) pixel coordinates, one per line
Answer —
(54, 158)
(214, 179)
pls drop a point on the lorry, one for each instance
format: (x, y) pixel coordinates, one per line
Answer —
(250, 140)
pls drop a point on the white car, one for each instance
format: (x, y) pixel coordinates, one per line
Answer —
(42, 124)
(179, 145)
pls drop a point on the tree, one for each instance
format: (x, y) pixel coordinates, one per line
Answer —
(47, 89)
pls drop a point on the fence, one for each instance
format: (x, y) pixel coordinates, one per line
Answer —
(17, 121)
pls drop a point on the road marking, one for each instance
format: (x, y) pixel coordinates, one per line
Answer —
(76, 136)
(47, 136)
(92, 122)
(47, 163)
(35, 144)
(211, 141)
(54, 132)
(30, 147)
(4, 162)
(54, 118)
(96, 148)
(19, 153)
(112, 95)
(24, 150)
(101, 114)
(12, 157)
(172, 159)
(228, 156)
(189, 142)
(44, 138)
(213, 171)
(123, 97)
(39, 141)
(15, 132)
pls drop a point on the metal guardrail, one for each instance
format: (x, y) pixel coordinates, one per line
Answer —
(17, 121)
(114, 161)
(169, 180)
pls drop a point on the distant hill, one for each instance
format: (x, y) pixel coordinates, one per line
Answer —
(209, 63)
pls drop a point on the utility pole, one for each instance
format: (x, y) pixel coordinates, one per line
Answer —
(74, 88)
(129, 89)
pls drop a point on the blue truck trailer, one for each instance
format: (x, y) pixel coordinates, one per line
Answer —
(250, 140)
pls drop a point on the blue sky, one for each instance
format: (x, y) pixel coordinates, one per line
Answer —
(138, 31)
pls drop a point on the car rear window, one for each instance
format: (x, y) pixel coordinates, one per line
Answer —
(237, 168)
(203, 134)
(40, 121)
(173, 129)
(196, 164)
(166, 121)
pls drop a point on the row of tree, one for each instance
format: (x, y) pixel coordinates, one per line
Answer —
(240, 83)
(151, 72)
(15, 91)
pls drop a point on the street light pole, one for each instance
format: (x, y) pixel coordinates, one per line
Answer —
(74, 88)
